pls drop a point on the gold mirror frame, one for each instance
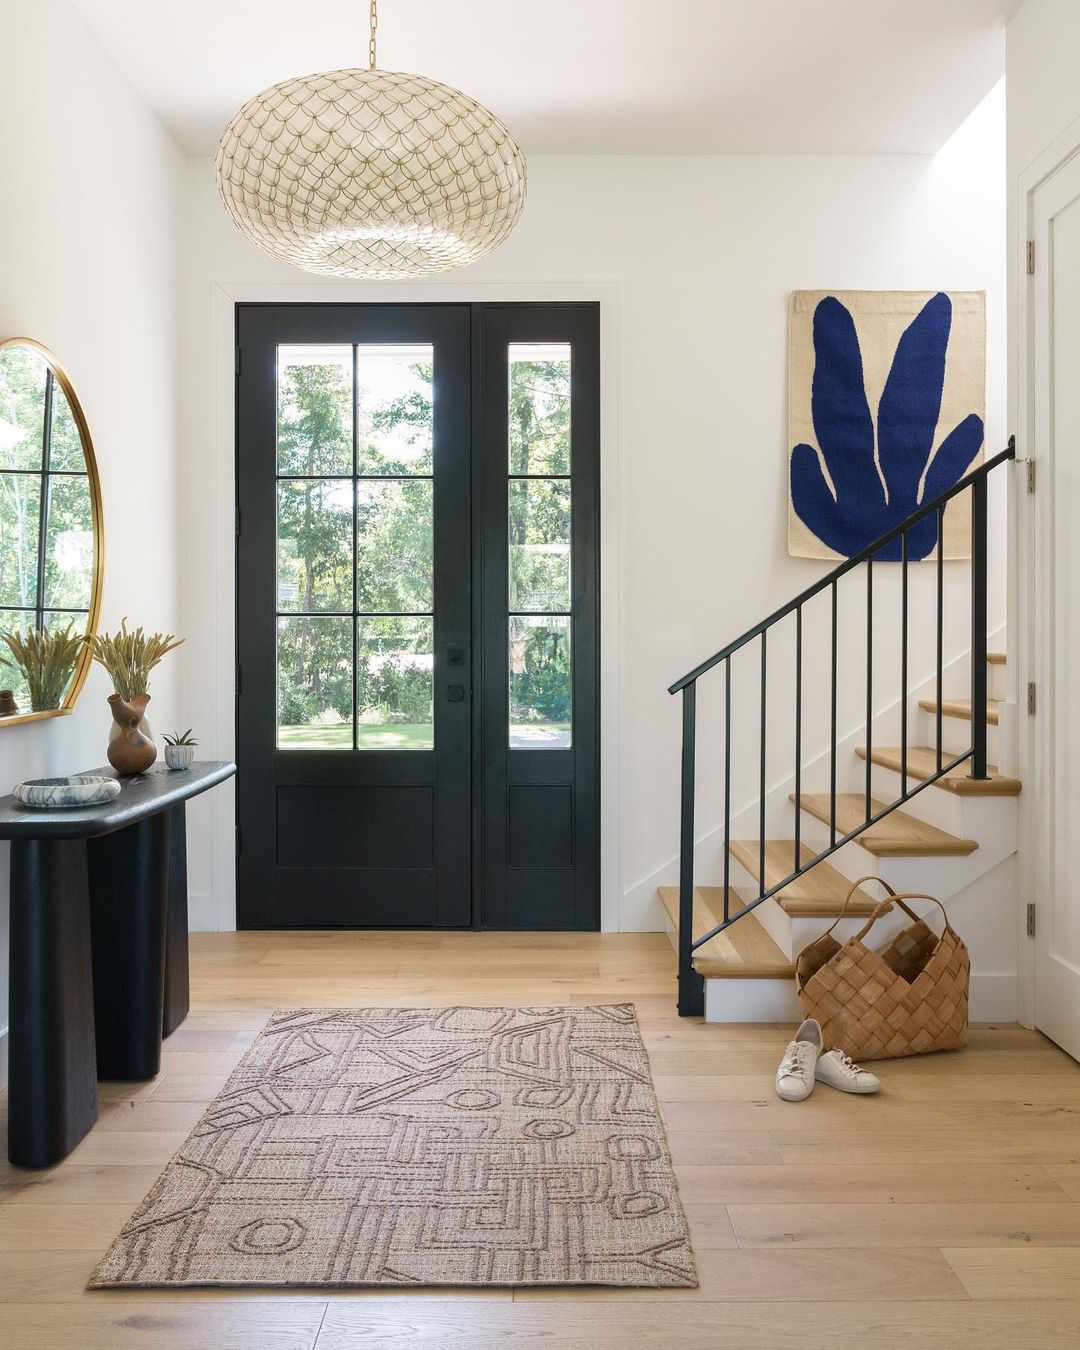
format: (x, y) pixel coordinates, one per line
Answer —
(82, 666)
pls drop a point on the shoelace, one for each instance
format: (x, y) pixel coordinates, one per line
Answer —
(846, 1063)
(793, 1064)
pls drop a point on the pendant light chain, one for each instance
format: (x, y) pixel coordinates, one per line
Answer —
(371, 39)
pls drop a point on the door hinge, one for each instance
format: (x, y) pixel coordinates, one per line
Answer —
(1030, 476)
(239, 360)
(1031, 257)
(239, 681)
(1031, 699)
(238, 522)
(239, 842)
(1031, 920)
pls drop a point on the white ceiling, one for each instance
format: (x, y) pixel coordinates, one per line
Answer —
(663, 76)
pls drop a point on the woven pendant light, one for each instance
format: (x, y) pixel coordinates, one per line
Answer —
(370, 174)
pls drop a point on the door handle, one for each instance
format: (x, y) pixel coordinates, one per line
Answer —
(455, 693)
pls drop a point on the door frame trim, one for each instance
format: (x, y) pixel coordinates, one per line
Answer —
(1030, 627)
(217, 911)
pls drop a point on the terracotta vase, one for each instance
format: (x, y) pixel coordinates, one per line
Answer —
(131, 746)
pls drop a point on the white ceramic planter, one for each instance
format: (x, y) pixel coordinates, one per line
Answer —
(179, 756)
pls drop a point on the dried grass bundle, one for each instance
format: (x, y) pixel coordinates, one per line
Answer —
(130, 657)
(46, 660)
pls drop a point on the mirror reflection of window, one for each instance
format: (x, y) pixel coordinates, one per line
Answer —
(48, 547)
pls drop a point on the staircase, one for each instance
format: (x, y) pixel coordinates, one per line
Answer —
(933, 813)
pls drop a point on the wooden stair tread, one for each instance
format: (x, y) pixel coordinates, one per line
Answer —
(922, 763)
(958, 707)
(996, 658)
(743, 951)
(897, 836)
(820, 893)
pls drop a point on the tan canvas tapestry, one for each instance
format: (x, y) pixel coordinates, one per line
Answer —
(421, 1146)
(886, 409)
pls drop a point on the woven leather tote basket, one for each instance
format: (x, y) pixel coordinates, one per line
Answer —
(909, 998)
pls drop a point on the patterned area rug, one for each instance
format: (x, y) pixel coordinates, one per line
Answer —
(421, 1146)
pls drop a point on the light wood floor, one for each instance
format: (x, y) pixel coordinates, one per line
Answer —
(943, 1214)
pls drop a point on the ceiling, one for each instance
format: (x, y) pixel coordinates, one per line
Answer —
(624, 76)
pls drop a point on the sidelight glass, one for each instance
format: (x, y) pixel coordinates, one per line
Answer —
(540, 544)
(539, 407)
(314, 409)
(314, 545)
(394, 408)
(541, 690)
(315, 683)
(395, 668)
(69, 542)
(394, 546)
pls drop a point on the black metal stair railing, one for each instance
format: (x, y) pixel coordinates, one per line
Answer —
(691, 985)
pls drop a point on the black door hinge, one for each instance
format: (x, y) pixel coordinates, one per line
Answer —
(1031, 699)
(239, 360)
(239, 842)
(238, 522)
(239, 681)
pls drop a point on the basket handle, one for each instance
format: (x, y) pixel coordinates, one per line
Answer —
(883, 907)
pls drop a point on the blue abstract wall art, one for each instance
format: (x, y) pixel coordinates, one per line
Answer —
(886, 404)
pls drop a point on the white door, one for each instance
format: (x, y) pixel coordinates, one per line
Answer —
(1056, 424)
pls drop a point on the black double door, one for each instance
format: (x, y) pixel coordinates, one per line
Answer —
(417, 616)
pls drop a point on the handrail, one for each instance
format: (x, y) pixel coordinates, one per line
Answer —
(847, 565)
(691, 984)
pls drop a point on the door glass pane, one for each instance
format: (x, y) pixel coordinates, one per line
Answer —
(314, 410)
(539, 407)
(314, 545)
(394, 541)
(69, 543)
(394, 409)
(540, 683)
(314, 684)
(20, 524)
(22, 408)
(540, 544)
(395, 665)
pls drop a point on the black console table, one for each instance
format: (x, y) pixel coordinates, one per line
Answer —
(99, 952)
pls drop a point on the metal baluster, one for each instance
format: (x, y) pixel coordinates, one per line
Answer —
(798, 737)
(978, 629)
(903, 660)
(869, 676)
(691, 985)
(727, 788)
(940, 622)
(761, 807)
(832, 729)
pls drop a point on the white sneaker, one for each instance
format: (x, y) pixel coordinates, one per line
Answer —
(836, 1069)
(795, 1076)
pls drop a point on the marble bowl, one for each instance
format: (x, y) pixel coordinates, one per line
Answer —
(78, 789)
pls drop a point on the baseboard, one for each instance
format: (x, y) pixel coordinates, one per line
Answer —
(3, 1058)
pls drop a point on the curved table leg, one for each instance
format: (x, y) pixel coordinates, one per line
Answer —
(52, 1092)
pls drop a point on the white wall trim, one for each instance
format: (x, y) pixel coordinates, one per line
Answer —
(217, 911)
(1031, 582)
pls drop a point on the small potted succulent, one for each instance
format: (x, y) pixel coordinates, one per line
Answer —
(179, 749)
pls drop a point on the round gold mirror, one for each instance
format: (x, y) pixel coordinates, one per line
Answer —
(51, 536)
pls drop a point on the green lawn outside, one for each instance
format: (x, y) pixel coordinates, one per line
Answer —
(410, 736)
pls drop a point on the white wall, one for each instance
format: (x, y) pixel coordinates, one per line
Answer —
(89, 192)
(701, 254)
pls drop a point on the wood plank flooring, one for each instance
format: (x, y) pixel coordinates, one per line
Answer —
(944, 1213)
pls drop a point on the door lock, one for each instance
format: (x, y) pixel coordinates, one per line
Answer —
(455, 693)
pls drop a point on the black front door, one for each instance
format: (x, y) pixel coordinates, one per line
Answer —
(417, 677)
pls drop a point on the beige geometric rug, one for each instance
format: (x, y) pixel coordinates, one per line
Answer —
(421, 1146)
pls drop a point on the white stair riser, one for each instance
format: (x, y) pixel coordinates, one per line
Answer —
(955, 735)
(992, 999)
(985, 819)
